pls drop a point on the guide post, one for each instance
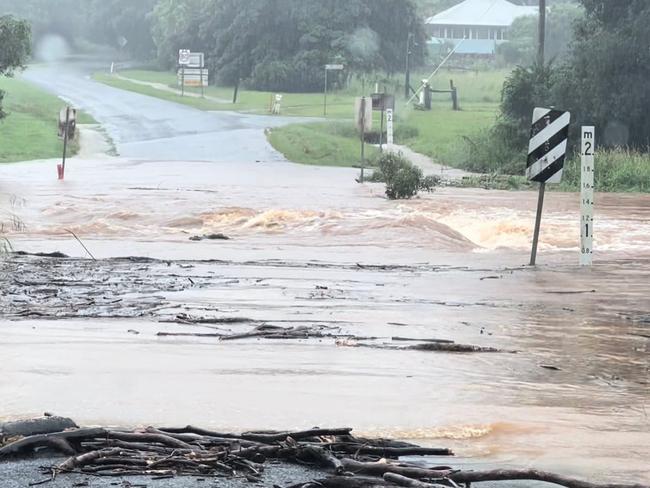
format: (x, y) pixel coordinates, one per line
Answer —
(546, 154)
(587, 196)
(389, 126)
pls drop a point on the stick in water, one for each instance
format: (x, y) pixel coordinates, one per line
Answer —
(82, 244)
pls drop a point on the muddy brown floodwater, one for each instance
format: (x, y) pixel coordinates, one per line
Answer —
(310, 246)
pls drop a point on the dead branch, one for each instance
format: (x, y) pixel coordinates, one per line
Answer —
(533, 475)
(380, 468)
(50, 440)
(409, 482)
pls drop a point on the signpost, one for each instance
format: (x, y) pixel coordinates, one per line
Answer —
(183, 61)
(67, 126)
(192, 65)
(328, 68)
(389, 126)
(546, 153)
(587, 196)
(363, 118)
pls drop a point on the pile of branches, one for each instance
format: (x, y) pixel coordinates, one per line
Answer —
(350, 461)
(192, 451)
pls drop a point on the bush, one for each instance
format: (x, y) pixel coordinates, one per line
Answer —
(403, 179)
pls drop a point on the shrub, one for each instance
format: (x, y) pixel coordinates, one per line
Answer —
(403, 179)
(430, 182)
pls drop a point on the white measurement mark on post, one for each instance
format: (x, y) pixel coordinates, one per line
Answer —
(587, 196)
(389, 126)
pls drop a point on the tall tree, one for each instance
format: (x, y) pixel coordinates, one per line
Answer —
(16, 42)
(284, 44)
(124, 24)
(605, 80)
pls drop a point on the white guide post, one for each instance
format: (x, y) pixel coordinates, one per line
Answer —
(389, 126)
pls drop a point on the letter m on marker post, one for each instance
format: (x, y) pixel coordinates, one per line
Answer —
(548, 143)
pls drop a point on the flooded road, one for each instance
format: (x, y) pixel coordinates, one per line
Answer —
(309, 246)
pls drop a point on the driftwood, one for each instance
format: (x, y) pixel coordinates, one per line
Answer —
(380, 468)
(409, 482)
(59, 441)
(192, 451)
(532, 474)
(266, 331)
(42, 425)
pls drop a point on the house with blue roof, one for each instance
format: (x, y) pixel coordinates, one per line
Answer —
(476, 27)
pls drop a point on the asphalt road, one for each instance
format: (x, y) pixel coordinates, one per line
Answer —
(144, 127)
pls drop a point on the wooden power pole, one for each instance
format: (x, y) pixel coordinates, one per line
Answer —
(542, 32)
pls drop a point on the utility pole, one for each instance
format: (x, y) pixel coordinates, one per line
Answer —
(407, 88)
(542, 33)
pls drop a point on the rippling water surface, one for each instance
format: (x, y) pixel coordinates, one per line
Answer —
(311, 244)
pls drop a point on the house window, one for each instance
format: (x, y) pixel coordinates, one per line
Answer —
(483, 33)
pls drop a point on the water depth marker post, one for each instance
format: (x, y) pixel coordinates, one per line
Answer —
(587, 195)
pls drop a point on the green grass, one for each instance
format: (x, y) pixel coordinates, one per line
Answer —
(323, 144)
(30, 129)
(617, 170)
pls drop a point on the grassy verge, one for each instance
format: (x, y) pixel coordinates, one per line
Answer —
(339, 105)
(323, 144)
(617, 170)
(30, 129)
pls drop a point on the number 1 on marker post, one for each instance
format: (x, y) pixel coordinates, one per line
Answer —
(587, 196)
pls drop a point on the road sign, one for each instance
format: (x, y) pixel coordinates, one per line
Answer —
(587, 196)
(382, 101)
(193, 77)
(389, 126)
(196, 60)
(334, 67)
(547, 147)
(546, 153)
(184, 57)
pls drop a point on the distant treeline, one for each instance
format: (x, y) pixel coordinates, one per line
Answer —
(268, 44)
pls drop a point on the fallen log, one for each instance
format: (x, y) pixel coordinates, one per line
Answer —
(410, 482)
(532, 475)
(351, 448)
(41, 425)
(147, 437)
(381, 468)
(271, 437)
(86, 458)
(191, 437)
(350, 482)
(59, 441)
(322, 457)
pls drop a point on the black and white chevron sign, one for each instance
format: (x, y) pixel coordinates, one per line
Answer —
(548, 143)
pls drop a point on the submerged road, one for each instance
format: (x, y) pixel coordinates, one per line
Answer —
(144, 127)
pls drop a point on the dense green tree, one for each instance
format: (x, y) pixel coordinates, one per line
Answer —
(284, 44)
(603, 80)
(15, 39)
(123, 24)
(522, 45)
(59, 17)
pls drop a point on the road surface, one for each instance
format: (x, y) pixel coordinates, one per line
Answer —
(149, 128)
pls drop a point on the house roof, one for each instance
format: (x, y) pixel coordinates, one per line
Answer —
(482, 12)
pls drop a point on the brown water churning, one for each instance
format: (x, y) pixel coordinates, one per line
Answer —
(309, 244)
